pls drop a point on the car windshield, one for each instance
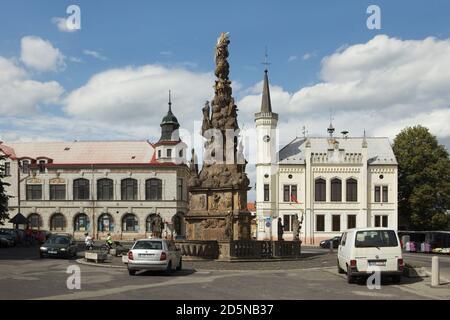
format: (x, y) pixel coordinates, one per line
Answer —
(58, 240)
(376, 238)
(149, 245)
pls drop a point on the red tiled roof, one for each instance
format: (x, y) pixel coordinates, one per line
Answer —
(84, 152)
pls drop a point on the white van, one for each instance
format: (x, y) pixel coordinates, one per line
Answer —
(364, 250)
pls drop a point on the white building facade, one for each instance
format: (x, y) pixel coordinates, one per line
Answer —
(330, 183)
(100, 187)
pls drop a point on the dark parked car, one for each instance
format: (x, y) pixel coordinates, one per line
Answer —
(326, 243)
(9, 235)
(59, 246)
(5, 242)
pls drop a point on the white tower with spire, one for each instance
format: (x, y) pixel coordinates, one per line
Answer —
(266, 166)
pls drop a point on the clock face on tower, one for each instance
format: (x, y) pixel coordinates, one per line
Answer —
(266, 138)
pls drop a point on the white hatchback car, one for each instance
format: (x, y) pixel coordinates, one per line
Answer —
(154, 254)
(365, 250)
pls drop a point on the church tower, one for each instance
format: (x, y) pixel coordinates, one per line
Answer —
(170, 148)
(266, 165)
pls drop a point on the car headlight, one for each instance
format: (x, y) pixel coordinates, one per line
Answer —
(63, 249)
(43, 248)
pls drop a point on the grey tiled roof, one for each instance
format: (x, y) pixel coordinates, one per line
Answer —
(379, 150)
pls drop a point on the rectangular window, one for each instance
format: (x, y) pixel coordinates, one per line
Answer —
(7, 169)
(34, 192)
(169, 153)
(180, 189)
(351, 221)
(381, 221)
(377, 194)
(159, 154)
(290, 193)
(336, 223)
(385, 193)
(57, 192)
(293, 193)
(266, 193)
(286, 193)
(320, 222)
(286, 223)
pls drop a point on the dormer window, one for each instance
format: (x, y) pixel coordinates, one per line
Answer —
(42, 166)
(26, 166)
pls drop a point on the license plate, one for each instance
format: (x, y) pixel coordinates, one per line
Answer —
(53, 252)
(377, 263)
(145, 255)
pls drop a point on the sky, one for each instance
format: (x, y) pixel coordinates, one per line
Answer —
(110, 79)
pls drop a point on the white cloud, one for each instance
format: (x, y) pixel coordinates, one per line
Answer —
(61, 24)
(166, 53)
(94, 54)
(383, 86)
(138, 95)
(292, 58)
(306, 56)
(40, 54)
(20, 95)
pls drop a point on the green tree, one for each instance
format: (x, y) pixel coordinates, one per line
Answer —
(423, 179)
(3, 196)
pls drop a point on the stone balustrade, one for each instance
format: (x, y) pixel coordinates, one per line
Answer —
(238, 249)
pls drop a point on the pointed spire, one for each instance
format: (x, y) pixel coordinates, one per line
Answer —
(266, 104)
(364, 142)
(170, 102)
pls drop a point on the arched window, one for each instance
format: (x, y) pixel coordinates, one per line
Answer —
(352, 190)
(336, 189)
(320, 190)
(149, 222)
(57, 222)
(153, 189)
(130, 223)
(35, 221)
(105, 189)
(81, 222)
(105, 223)
(81, 189)
(129, 189)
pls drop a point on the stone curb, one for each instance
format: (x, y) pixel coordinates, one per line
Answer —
(101, 265)
(81, 261)
(442, 280)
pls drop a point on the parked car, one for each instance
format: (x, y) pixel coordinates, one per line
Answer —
(326, 243)
(154, 254)
(363, 250)
(9, 235)
(59, 246)
(5, 242)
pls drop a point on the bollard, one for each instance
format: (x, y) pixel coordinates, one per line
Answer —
(435, 271)
(331, 246)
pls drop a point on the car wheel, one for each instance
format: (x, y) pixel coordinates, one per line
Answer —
(396, 279)
(350, 278)
(340, 270)
(131, 272)
(180, 265)
(168, 271)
